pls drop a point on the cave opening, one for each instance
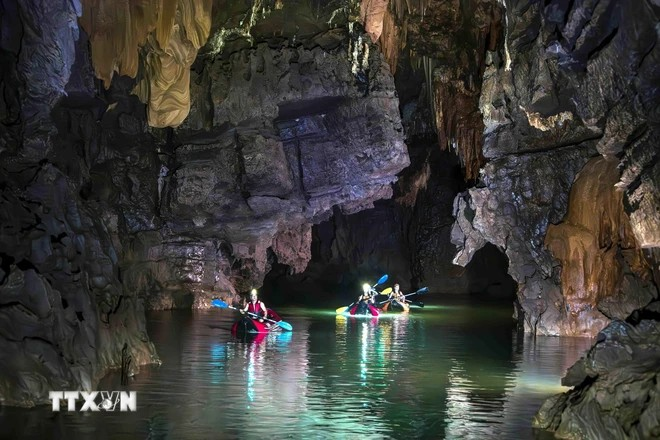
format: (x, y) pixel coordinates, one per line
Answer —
(407, 237)
(488, 276)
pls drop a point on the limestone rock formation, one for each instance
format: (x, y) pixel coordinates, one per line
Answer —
(294, 132)
(557, 93)
(616, 393)
(65, 317)
(103, 215)
(168, 33)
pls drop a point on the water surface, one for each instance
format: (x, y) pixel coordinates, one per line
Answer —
(454, 371)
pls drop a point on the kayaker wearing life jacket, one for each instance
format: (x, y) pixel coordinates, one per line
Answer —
(255, 306)
(398, 298)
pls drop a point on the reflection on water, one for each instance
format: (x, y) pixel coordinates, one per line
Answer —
(444, 372)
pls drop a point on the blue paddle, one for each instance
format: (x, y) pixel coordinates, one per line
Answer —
(223, 305)
(343, 309)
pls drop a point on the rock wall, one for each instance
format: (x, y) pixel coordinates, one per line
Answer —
(437, 50)
(65, 317)
(571, 81)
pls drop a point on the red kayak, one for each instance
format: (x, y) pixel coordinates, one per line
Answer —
(363, 309)
(247, 325)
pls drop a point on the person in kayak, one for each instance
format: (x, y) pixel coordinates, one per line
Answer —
(397, 298)
(365, 303)
(255, 306)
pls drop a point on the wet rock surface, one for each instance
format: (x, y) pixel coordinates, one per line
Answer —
(565, 97)
(615, 391)
(65, 317)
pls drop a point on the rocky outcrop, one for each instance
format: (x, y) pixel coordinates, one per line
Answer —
(557, 93)
(598, 251)
(437, 50)
(615, 391)
(293, 133)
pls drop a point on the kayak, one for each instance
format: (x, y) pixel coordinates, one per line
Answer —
(395, 307)
(247, 325)
(362, 310)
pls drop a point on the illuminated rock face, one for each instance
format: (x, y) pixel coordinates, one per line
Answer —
(555, 94)
(594, 244)
(284, 149)
(167, 32)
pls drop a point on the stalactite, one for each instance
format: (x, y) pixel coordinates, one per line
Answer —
(457, 119)
(372, 13)
(429, 65)
(410, 7)
(594, 238)
(392, 40)
(169, 32)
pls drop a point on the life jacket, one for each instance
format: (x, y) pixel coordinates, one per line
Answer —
(255, 308)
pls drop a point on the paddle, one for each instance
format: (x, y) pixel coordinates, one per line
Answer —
(385, 292)
(223, 305)
(343, 309)
(419, 292)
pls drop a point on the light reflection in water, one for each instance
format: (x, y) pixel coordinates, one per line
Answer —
(443, 373)
(217, 364)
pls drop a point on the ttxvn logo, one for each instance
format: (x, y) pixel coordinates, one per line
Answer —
(95, 400)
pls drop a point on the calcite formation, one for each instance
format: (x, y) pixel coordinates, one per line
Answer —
(159, 39)
(451, 42)
(594, 244)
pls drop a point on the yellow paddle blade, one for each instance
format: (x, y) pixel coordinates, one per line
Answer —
(341, 309)
(386, 291)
